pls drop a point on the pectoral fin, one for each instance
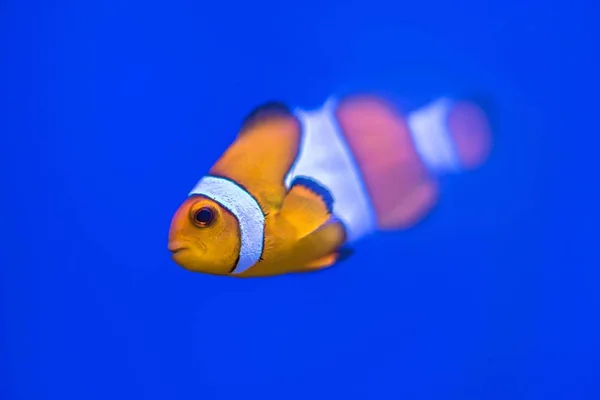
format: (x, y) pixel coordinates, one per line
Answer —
(323, 262)
(330, 259)
(307, 205)
(321, 248)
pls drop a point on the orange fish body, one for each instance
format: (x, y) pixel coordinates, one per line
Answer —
(294, 187)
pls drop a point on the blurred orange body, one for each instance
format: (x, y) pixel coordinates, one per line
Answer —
(400, 185)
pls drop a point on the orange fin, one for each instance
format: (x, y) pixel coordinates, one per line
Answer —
(327, 261)
(321, 248)
(307, 205)
(263, 153)
(265, 112)
(323, 262)
(330, 259)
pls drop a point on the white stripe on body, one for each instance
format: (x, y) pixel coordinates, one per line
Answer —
(432, 139)
(247, 211)
(325, 157)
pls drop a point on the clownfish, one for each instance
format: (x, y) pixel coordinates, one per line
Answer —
(296, 187)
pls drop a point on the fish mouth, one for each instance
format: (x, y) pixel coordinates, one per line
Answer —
(178, 253)
(176, 248)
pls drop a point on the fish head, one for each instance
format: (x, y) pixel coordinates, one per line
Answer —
(204, 237)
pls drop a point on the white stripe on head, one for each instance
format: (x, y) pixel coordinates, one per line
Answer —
(247, 211)
(432, 139)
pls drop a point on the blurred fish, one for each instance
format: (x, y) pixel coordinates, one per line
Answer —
(297, 187)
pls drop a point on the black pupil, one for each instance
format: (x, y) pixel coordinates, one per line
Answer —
(204, 216)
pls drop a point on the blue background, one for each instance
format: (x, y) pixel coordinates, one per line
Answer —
(111, 111)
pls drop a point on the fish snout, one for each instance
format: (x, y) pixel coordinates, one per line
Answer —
(175, 246)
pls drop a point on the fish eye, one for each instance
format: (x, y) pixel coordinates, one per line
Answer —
(203, 217)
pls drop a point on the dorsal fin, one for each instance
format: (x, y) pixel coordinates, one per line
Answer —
(266, 111)
(265, 149)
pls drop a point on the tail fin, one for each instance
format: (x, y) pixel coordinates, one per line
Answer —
(400, 156)
(450, 135)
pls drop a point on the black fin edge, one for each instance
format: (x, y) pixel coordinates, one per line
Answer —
(345, 253)
(317, 189)
(264, 111)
